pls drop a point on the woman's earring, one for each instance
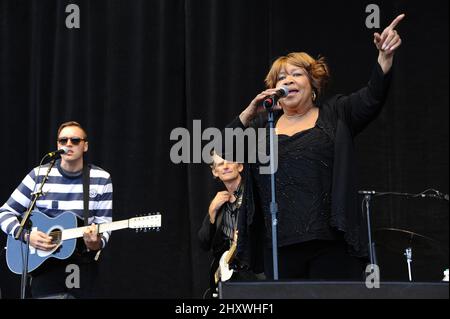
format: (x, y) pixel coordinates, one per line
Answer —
(314, 96)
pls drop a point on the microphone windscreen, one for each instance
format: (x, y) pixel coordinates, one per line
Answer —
(285, 91)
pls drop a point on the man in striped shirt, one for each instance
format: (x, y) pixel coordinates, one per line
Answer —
(63, 192)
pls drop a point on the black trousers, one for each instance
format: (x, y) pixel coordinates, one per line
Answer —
(315, 260)
(75, 277)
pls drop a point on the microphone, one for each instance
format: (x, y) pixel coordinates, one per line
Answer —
(365, 192)
(270, 101)
(62, 150)
(437, 194)
(442, 195)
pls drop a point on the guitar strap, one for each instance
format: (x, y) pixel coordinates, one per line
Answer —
(86, 170)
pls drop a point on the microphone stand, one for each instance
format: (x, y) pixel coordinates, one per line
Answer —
(269, 103)
(273, 203)
(372, 251)
(367, 198)
(25, 226)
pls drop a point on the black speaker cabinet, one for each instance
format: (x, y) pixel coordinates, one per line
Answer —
(332, 290)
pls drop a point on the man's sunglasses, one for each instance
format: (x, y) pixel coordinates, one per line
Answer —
(75, 140)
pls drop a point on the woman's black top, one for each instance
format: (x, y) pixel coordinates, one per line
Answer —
(303, 187)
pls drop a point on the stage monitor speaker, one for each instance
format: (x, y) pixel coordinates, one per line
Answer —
(332, 290)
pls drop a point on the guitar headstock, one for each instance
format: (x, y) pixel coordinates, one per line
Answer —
(146, 222)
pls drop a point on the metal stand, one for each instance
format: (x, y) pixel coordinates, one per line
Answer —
(408, 251)
(372, 251)
(26, 225)
(269, 103)
(408, 254)
(273, 203)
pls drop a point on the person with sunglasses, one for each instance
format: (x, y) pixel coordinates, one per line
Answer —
(63, 192)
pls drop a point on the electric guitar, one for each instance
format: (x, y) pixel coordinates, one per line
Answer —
(223, 272)
(64, 232)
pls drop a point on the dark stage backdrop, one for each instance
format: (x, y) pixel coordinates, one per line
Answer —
(135, 70)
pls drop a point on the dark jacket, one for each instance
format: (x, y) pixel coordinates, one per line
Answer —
(211, 236)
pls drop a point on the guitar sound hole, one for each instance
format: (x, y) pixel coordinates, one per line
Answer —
(56, 236)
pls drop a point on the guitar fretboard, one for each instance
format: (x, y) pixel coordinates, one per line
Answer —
(72, 233)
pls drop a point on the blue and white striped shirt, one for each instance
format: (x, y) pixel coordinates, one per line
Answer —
(62, 192)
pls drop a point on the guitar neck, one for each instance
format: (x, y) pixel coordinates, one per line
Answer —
(232, 251)
(72, 233)
(229, 257)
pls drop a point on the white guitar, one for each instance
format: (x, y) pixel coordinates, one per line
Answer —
(223, 272)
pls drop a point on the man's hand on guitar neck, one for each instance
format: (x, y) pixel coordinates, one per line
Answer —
(92, 238)
(220, 199)
(41, 241)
